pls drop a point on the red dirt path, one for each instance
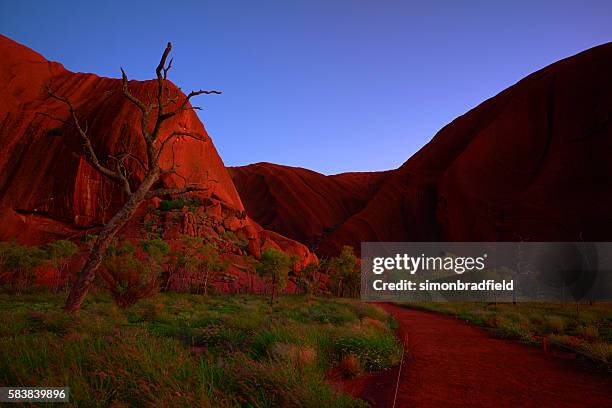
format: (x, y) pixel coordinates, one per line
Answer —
(451, 363)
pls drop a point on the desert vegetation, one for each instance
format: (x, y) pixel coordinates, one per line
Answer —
(274, 267)
(344, 273)
(135, 269)
(584, 328)
(194, 350)
(157, 328)
(18, 263)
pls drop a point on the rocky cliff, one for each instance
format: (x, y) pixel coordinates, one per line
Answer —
(531, 163)
(48, 191)
(302, 204)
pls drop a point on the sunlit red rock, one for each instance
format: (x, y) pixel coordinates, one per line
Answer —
(48, 190)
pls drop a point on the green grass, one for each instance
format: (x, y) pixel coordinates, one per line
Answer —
(189, 350)
(586, 329)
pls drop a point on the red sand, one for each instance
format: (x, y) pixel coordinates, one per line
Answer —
(451, 363)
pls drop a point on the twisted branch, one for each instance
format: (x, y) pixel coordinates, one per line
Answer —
(90, 153)
(176, 191)
(150, 166)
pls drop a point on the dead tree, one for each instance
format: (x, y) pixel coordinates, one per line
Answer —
(154, 114)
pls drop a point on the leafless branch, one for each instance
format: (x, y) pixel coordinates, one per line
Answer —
(184, 106)
(123, 172)
(144, 118)
(128, 94)
(175, 191)
(171, 101)
(196, 93)
(172, 168)
(176, 134)
(161, 67)
(161, 71)
(65, 122)
(152, 171)
(125, 154)
(166, 69)
(138, 160)
(90, 153)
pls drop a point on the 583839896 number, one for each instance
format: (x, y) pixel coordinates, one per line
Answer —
(34, 394)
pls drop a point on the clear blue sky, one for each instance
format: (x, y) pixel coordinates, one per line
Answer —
(329, 85)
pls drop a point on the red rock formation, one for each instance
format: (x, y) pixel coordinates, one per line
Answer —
(48, 191)
(271, 239)
(302, 204)
(528, 164)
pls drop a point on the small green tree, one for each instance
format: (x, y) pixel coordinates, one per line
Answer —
(210, 263)
(274, 266)
(345, 272)
(183, 264)
(308, 279)
(130, 276)
(59, 253)
(18, 261)
(193, 265)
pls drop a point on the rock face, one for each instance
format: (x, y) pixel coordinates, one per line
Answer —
(531, 163)
(302, 204)
(528, 164)
(48, 191)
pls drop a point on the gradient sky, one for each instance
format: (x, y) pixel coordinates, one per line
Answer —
(329, 85)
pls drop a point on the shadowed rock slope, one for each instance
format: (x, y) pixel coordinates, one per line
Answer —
(532, 163)
(302, 204)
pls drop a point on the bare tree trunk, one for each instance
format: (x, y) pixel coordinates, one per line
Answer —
(119, 174)
(88, 272)
(273, 291)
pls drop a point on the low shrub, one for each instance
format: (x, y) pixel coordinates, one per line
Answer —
(17, 262)
(514, 330)
(600, 351)
(588, 332)
(556, 324)
(374, 350)
(130, 277)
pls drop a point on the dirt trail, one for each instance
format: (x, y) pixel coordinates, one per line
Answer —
(451, 363)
